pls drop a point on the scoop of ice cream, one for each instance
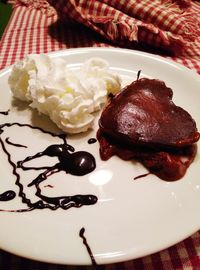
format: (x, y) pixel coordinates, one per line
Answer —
(68, 97)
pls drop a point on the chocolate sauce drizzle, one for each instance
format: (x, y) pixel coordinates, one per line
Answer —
(81, 234)
(7, 195)
(75, 163)
(14, 144)
(138, 74)
(92, 140)
(48, 186)
(141, 176)
(5, 112)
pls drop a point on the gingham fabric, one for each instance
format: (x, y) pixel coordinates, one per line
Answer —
(32, 30)
(167, 24)
(31, 16)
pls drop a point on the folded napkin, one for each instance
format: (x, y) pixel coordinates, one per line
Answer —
(42, 5)
(173, 25)
(168, 24)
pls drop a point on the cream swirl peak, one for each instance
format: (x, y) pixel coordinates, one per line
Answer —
(68, 97)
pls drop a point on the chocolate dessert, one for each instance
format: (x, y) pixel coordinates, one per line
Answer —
(143, 123)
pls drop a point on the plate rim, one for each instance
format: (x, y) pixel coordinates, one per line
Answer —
(66, 52)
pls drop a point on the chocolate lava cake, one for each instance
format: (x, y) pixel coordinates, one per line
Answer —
(143, 123)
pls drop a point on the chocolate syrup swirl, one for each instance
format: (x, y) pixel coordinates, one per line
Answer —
(81, 234)
(76, 163)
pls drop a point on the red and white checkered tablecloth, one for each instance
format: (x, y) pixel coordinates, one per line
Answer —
(32, 31)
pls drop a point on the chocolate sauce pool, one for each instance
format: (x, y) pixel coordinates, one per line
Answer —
(71, 162)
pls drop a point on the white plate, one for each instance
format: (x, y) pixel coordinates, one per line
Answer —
(131, 218)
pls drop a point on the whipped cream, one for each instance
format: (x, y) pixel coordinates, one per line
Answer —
(68, 97)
